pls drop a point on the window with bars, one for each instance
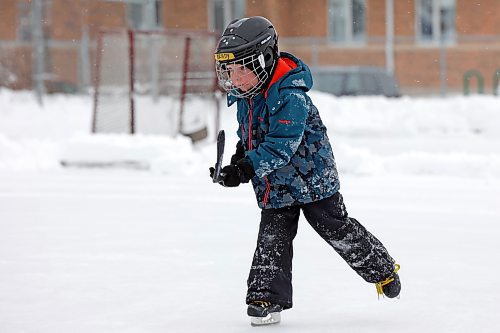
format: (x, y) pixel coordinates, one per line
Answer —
(24, 27)
(25, 18)
(347, 21)
(224, 11)
(436, 21)
(144, 14)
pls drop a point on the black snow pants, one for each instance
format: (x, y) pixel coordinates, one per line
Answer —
(270, 276)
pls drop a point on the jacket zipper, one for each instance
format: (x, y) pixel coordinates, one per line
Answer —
(250, 120)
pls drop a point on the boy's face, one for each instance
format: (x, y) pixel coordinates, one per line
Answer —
(242, 77)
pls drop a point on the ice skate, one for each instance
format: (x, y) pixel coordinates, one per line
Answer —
(390, 287)
(264, 313)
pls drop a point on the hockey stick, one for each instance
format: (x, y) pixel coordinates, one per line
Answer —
(221, 141)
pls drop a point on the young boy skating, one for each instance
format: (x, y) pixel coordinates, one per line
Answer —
(286, 154)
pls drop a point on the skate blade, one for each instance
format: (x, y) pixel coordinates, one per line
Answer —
(270, 319)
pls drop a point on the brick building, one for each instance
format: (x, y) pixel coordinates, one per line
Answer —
(429, 44)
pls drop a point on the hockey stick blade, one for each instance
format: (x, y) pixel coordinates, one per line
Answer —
(221, 141)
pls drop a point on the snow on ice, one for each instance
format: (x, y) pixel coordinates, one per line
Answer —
(160, 248)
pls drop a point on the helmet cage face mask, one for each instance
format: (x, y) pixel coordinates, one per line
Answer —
(254, 63)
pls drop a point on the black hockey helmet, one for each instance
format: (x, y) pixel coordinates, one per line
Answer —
(251, 42)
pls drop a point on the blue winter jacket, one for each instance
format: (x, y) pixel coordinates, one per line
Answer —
(287, 145)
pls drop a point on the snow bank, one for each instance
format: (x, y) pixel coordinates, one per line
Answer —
(361, 161)
(58, 119)
(157, 153)
(371, 135)
(406, 116)
(28, 154)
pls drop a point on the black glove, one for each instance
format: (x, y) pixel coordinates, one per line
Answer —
(240, 153)
(234, 174)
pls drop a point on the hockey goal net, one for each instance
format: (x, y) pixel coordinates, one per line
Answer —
(154, 82)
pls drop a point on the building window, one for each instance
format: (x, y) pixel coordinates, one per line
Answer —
(24, 28)
(347, 21)
(435, 21)
(224, 11)
(25, 18)
(144, 14)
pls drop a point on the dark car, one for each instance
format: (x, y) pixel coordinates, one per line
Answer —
(355, 81)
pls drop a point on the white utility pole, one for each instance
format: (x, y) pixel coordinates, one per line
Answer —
(389, 36)
(38, 49)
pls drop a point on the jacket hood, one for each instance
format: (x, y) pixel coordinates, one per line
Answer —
(298, 77)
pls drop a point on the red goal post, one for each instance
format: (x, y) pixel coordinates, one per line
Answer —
(154, 82)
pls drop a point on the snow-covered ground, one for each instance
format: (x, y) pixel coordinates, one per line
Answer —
(162, 249)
